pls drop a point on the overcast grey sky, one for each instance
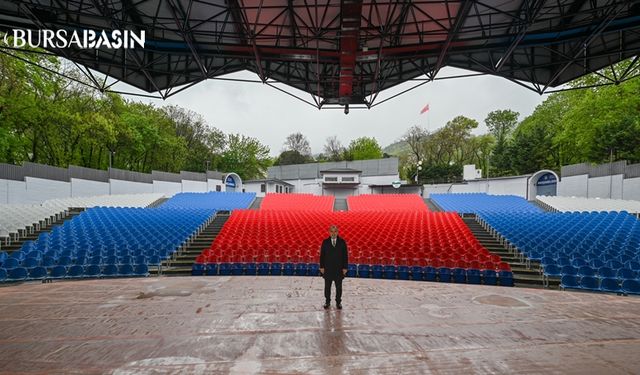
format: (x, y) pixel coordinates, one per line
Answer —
(269, 115)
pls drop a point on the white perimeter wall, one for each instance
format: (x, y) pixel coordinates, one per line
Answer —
(615, 187)
(13, 192)
(86, 188)
(574, 186)
(128, 187)
(37, 190)
(606, 187)
(169, 189)
(631, 189)
(211, 185)
(194, 186)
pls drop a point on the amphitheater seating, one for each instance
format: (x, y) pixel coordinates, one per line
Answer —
(386, 203)
(576, 204)
(381, 244)
(106, 242)
(581, 248)
(297, 202)
(17, 219)
(481, 202)
(220, 201)
(114, 200)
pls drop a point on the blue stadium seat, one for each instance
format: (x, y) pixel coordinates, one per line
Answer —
(589, 283)
(263, 269)
(444, 275)
(314, 269)
(75, 271)
(390, 272)
(3, 275)
(490, 277)
(141, 270)
(606, 273)
(473, 276)
(30, 263)
(506, 278)
(237, 269)
(624, 274)
(569, 270)
(352, 270)
(631, 287)
(250, 269)
(17, 274)
(11, 263)
(211, 269)
(430, 274)
(377, 271)
(417, 273)
(58, 272)
(586, 271)
(197, 269)
(610, 285)
(403, 272)
(301, 269)
(288, 269)
(224, 269)
(364, 270)
(38, 273)
(275, 269)
(459, 275)
(92, 271)
(569, 282)
(125, 270)
(65, 261)
(110, 270)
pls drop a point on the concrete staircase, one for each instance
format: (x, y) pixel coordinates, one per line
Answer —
(340, 204)
(543, 206)
(158, 203)
(256, 203)
(524, 276)
(432, 206)
(31, 236)
(181, 263)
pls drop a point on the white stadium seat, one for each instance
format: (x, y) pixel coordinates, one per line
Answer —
(573, 204)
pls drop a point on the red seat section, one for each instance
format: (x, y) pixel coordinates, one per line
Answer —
(297, 202)
(387, 203)
(437, 239)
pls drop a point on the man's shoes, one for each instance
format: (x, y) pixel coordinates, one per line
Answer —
(326, 305)
(339, 306)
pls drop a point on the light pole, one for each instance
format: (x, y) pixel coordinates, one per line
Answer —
(418, 169)
(110, 157)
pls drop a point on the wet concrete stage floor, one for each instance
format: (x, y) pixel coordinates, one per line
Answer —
(276, 325)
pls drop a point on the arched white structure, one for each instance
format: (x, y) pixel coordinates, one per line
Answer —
(232, 182)
(543, 182)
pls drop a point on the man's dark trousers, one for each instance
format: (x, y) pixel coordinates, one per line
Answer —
(327, 289)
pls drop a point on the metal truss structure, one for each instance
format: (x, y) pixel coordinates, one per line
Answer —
(344, 52)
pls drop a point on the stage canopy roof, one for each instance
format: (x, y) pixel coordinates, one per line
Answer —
(343, 52)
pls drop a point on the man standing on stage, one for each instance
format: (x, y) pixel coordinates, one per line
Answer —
(334, 259)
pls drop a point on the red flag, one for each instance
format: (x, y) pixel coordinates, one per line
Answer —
(425, 109)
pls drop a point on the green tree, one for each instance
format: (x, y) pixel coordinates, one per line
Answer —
(291, 157)
(245, 156)
(501, 124)
(364, 148)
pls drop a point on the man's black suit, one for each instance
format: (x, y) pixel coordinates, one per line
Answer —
(334, 260)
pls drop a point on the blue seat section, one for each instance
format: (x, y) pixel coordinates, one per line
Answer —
(106, 242)
(474, 203)
(219, 201)
(588, 246)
